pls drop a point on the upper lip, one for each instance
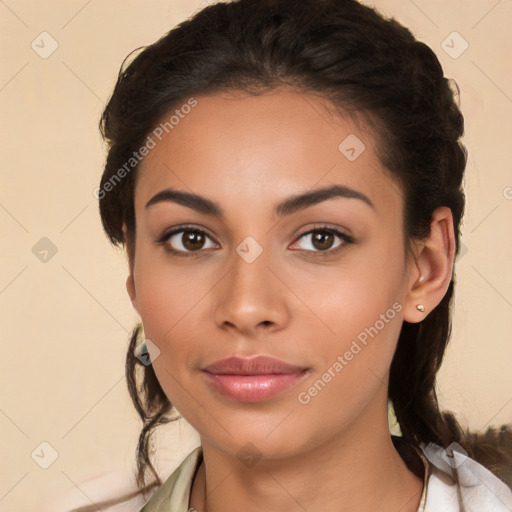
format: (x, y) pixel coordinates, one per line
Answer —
(259, 365)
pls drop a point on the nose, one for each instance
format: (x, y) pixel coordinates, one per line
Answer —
(251, 299)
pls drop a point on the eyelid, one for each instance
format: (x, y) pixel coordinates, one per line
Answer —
(327, 227)
(176, 229)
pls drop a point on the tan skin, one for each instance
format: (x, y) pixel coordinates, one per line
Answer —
(249, 153)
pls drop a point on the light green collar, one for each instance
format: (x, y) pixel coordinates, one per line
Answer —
(174, 494)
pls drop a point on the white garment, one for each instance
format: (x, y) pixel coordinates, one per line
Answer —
(480, 490)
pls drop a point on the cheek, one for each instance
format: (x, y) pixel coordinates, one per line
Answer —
(168, 304)
(360, 306)
(173, 301)
(346, 300)
(366, 319)
(166, 294)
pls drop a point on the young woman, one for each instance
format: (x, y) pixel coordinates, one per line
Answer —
(286, 179)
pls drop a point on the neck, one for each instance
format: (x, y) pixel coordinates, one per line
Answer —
(356, 470)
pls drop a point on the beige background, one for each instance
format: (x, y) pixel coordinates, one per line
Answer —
(65, 322)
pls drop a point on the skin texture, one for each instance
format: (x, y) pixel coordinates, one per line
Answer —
(295, 301)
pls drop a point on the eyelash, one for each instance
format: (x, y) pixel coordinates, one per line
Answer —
(347, 240)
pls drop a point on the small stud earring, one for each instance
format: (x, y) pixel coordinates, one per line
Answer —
(420, 307)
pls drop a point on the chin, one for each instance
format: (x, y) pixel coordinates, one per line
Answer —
(258, 436)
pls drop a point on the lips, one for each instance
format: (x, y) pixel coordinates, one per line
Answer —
(252, 379)
(260, 365)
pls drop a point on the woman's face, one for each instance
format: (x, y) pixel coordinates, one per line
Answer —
(259, 282)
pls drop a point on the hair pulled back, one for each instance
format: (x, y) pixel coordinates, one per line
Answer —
(362, 63)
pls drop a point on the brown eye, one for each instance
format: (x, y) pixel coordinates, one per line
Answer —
(186, 240)
(324, 240)
(192, 240)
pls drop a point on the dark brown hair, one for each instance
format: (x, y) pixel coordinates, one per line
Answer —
(361, 62)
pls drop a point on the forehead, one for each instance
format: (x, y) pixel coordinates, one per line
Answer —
(248, 150)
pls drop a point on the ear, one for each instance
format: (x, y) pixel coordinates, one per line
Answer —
(432, 267)
(130, 282)
(130, 288)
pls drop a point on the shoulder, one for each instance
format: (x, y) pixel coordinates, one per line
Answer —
(455, 480)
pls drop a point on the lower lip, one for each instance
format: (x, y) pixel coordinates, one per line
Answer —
(253, 388)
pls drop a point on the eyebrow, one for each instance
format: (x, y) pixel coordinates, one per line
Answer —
(290, 205)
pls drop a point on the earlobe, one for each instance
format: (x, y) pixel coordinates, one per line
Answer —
(130, 288)
(434, 267)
